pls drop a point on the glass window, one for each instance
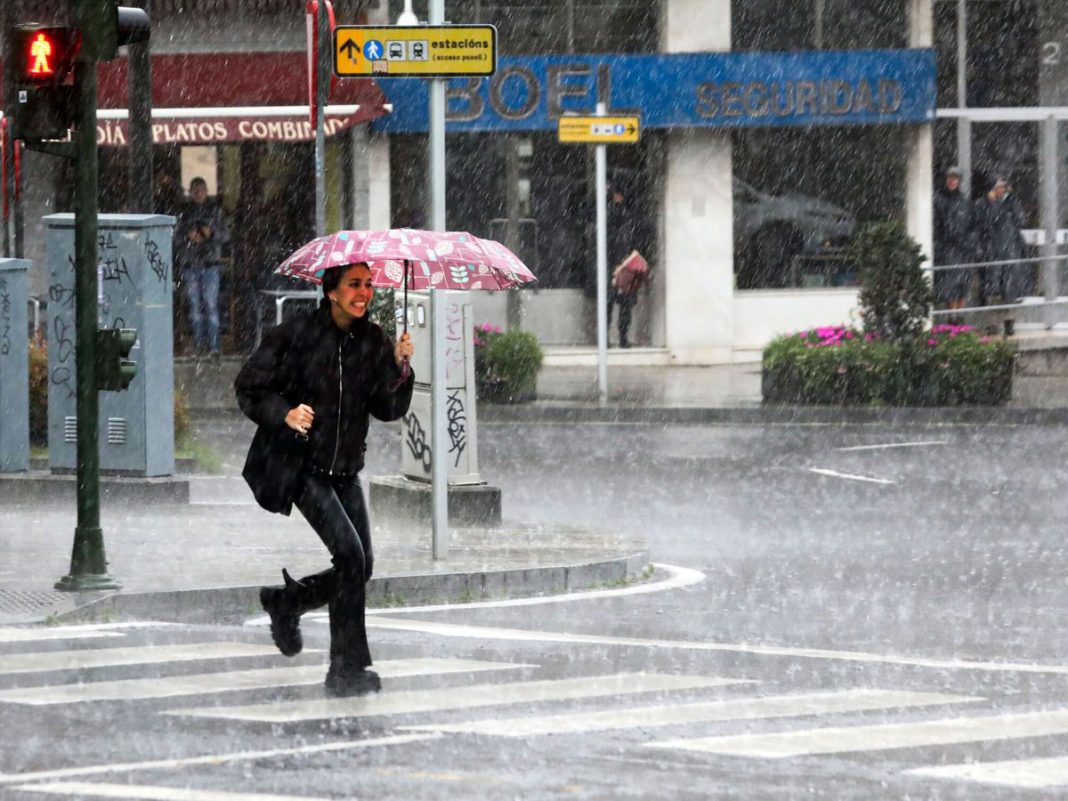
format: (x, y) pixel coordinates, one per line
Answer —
(799, 195)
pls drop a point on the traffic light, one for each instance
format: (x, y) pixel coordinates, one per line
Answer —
(107, 27)
(44, 92)
(114, 371)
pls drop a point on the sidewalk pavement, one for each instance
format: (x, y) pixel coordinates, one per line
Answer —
(205, 560)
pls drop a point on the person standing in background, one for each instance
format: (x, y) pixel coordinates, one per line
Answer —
(199, 240)
(956, 242)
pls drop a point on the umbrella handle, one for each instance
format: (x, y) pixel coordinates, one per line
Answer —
(405, 296)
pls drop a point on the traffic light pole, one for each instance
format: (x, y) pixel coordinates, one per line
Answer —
(88, 564)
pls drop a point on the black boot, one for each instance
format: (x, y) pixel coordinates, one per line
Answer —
(350, 656)
(284, 607)
(342, 684)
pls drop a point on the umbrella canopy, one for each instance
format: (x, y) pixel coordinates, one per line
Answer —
(431, 259)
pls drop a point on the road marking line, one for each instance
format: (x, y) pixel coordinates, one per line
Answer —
(147, 793)
(781, 706)
(850, 476)
(42, 635)
(479, 695)
(202, 683)
(213, 760)
(1032, 773)
(922, 444)
(528, 635)
(883, 737)
(41, 661)
(678, 577)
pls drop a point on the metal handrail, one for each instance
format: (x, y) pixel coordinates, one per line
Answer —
(1004, 263)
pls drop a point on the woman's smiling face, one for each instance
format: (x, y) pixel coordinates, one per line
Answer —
(352, 296)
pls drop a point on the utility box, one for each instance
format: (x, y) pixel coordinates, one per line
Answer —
(14, 368)
(460, 414)
(135, 289)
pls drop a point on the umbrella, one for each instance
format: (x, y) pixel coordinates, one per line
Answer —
(409, 257)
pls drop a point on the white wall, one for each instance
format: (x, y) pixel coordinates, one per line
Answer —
(760, 316)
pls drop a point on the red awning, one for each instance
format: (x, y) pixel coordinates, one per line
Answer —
(231, 80)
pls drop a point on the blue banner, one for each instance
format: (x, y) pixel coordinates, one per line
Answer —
(688, 90)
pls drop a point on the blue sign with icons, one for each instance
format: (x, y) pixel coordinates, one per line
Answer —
(373, 50)
(684, 90)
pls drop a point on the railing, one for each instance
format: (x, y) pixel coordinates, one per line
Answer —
(281, 297)
(1046, 311)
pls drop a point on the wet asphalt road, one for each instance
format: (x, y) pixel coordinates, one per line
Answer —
(904, 577)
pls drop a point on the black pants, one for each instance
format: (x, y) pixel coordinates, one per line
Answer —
(335, 509)
(626, 304)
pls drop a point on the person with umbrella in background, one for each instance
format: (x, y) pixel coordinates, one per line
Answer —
(311, 386)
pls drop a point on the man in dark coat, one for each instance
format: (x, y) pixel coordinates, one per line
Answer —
(1000, 219)
(311, 387)
(199, 238)
(956, 241)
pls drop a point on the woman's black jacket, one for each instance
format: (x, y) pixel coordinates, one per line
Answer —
(343, 376)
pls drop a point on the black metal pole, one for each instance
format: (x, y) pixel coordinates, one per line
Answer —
(88, 564)
(139, 85)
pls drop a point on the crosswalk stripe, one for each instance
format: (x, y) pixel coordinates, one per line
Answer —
(855, 739)
(41, 661)
(100, 790)
(479, 695)
(12, 634)
(532, 635)
(1031, 773)
(203, 683)
(214, 760)
(705, 712)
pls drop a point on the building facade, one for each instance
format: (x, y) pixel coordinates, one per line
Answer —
(801, 120)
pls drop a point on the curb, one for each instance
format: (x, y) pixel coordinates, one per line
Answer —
(769, 415)
(234, 604)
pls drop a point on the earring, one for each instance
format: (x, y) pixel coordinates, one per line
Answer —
(333, 299)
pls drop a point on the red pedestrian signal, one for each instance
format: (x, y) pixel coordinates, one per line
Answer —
(45, 52)
(44, 80)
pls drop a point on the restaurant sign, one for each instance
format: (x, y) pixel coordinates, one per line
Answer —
(685, 90)
(211, 130)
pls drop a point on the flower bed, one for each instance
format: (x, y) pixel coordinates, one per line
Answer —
(947, 365)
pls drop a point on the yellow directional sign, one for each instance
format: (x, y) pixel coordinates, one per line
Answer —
(600, 130)
(415, 51)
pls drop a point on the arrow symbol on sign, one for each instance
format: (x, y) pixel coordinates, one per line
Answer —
(349, 48)
(631, 128)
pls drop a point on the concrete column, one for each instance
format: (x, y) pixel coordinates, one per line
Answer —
(919, 169)
(697, 273)
(1053, 91)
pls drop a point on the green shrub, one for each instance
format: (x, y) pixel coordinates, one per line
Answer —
(895, 296)
(506, 364)
(947, 366)
(39, 399)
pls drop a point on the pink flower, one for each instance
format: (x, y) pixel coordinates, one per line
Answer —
(932, 341)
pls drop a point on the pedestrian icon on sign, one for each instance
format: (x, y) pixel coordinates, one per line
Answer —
(619, 129)
(372, 50)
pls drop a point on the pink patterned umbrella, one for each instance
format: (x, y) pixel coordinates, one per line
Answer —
(405, 257)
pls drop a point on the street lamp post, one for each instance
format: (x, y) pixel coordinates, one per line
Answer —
(439, 469)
